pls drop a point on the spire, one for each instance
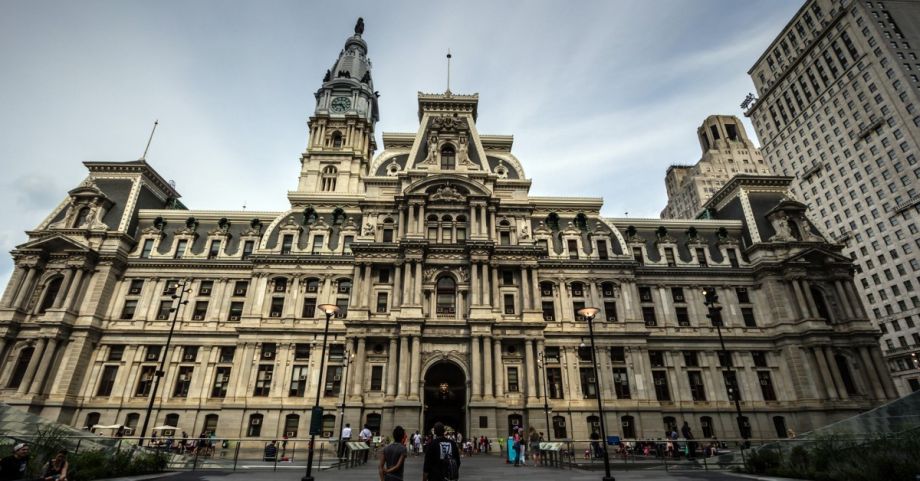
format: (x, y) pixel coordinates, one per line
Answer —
(352, 73)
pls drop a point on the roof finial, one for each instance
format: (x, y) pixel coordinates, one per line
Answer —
(155, 123)
(448, 71)
(359, 27)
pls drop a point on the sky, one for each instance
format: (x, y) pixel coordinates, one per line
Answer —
(601, 96)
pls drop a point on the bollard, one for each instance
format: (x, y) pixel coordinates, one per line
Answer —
(319, 464)
(195, 460)
(236, 454)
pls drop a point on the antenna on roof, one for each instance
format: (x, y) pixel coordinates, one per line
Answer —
(448, 70)
(244, 205)
(144, 157)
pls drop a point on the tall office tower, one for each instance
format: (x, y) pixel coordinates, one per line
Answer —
(727, 151)
(838, 109)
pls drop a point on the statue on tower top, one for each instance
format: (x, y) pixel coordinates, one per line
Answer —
(359, 27)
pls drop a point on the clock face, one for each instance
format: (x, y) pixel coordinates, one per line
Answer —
(340, 104)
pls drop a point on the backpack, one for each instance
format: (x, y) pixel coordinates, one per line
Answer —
(449, 467)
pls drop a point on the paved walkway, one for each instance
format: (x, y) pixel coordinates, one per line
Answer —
(479, 468)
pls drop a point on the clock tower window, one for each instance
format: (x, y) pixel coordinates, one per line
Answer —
(448, 157)
(329, 177)
(337, 140)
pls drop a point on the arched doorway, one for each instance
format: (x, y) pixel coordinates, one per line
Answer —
(445, 396)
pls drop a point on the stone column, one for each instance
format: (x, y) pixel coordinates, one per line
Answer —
(43, 367)
(526, 304)
(410, 227)
(485, 285)
(421, 219)
(571, 369)
(360, 360)
(825, 371)
(844, 302)
(868, 370)
(62, 292)
(368, 286)
(397, 286)
(356, 284)
(476, 367)
(37, 356)
(541, 349)
(496, 293)
(240, 365)
(416, 366)
(400, 224)
(806, 287)
(407, 285)
(529, 365)
(492, 223)
(535, 286)
(499, 368)
(391, 369)
(403, 366)
(835, 373)
(13, 287)
(858, 308)
(565, 306)
(474, 283)
(25, 289)
(473, 223)
(800, 299)
(596, 300)
(418, 283)
(432, 303)
(882, 369)
(487, 365)
(482, 221)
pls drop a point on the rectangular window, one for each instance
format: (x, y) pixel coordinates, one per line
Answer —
(214, 249)
(504, 238)
(509, 303)
(660, 378)
(549, 311)
(269, 349)
(301, 352)
(286, 243)
(387, 235)
(691, 359)
(697, 391)
(513, 385)
(201, 309)
(602, 253)
(731, 385)
(309, 307)
(226, 353)
(656, 358)
(554, 382)
(669, 256)
(318, 243)
(145, 381)
(383, 276)
(164, 309)
(247, 249)
(618, 355)
(381, 302)
(221, 382)
(573, 248)
(701, 257)
(648, 314)
(116, 352)
(766, 385)
(136, 286)
(621, 383)
(577, 306)
(127, 312)
(346, 243)
(107, 382)
(637, 255)
(733, 258)
(277, 307)
(189, 353)
(153, 353)
(588, 383)
(376, 378)
(759, 358)
(610, 311)
(204, 288)
(677, 294)
(342, 304)
(240, 288)
(645, 294)
(298, 387)
(507, 277)
(183, 381)
(236, 311)
(333, 381)
(180, 249)
(264, 380)
(747, 313)
(147, 249)
(683, 317)
(743, 296)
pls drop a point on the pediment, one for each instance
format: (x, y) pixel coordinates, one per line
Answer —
(818, 256)
(54, 243)
(446, 188)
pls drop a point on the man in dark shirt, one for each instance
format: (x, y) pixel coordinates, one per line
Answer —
(393, 457)
(14, 466)
(440, 455)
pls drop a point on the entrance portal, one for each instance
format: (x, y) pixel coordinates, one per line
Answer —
(445, 397)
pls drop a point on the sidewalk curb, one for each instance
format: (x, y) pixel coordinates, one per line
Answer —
(143, 477)
(765, 478)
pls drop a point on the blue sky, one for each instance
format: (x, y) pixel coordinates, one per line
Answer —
(616, 88)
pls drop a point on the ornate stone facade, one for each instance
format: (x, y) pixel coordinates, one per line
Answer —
(456, 288)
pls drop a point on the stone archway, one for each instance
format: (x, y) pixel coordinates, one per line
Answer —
(445, 396)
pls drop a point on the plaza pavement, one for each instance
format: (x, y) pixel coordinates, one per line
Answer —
(479, 468)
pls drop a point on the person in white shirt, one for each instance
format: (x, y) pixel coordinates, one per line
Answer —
(365, 437)
(346, 436)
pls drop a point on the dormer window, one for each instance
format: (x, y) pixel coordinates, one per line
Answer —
(448, 157)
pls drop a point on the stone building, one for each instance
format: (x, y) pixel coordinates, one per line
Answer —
(457, 291)
(838, 104)
(727, 151)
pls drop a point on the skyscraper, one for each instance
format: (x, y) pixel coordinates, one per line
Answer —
(839, 110)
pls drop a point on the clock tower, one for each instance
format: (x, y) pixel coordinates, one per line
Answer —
(341, 130)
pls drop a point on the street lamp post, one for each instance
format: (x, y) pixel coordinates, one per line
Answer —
(588, 313)
(180, 290)
(330, 310)
(541, 361)
(348, 358)
(711, 299)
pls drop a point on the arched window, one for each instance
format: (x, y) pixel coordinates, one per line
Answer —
(255, 426)
(779, 423)
(373, 423)
(794, 230)
(337, 139)
(131, 421)
(172, 419)
(448, 157)
(309, 215)
(329, 177)
(446, 296)
(708, 428)
(447, 229)
(338, 216)
(844, 367)
(432, 223)
(328, 425)
(821, 304)
(559, 428)
(629, 426)
(22, 364)
(608, 289)
(670, 424)
(54, 286)
(388, 229)
(552, 221)
(291, 425)
(594, 425)
(210, 423)
(82, 214)
(92, 419)
(515, 421)
(581, 221)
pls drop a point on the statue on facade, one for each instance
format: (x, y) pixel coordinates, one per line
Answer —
(369, 229)
(359, 27)
(448, 193)
(781, 226)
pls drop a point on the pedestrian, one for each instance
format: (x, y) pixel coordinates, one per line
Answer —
(56, 468)
(393, 457)
(442, 458)
(417, 443)
(595, 445)
(14, 466)
(346, 436)
(518, 446)
(688, 435)
(534, 439)
(271, 452)
(365, 437)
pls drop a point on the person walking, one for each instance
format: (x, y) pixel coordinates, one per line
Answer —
(417, 443)
(442, 458)
(14, 466)
(346, 436)
(534, 445)
(688, 435)
(393, 457)
(365, 437)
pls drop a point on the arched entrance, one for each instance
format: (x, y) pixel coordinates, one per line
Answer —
(445, 396)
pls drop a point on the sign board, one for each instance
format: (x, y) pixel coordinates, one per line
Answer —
(316, 421)
(613, 440)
